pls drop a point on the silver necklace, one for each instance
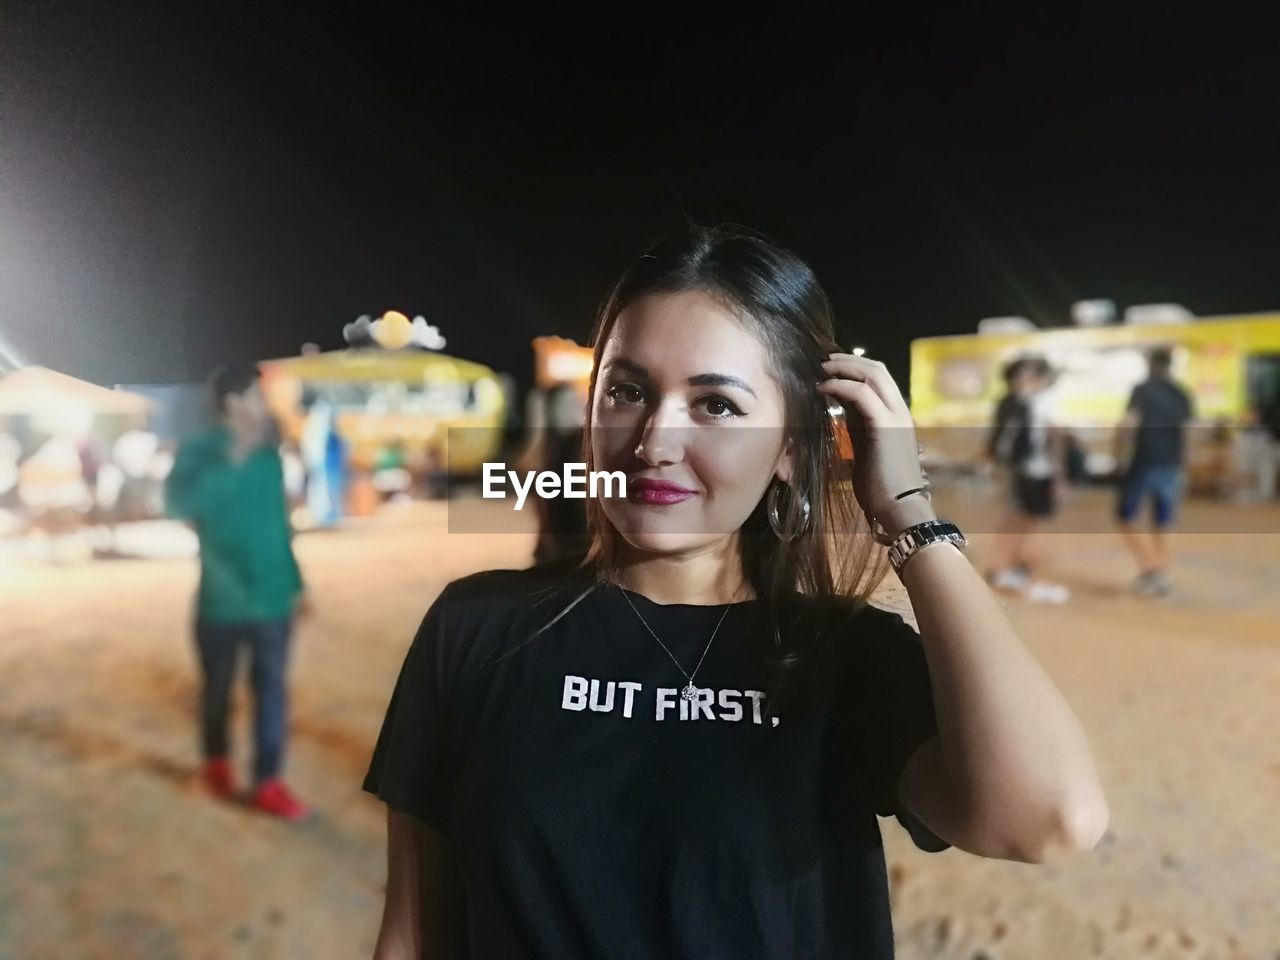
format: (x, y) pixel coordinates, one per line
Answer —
(689, 692)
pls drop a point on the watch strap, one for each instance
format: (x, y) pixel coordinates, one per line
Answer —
(918, 536)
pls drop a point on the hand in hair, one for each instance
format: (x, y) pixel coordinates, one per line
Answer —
(886, 456)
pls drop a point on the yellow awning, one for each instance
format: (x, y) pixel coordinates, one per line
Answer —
(373, 365)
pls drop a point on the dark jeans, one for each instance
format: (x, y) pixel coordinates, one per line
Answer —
(1161, 484)
(219, 646)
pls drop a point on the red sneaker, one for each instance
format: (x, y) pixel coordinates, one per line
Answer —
(273, 797)
(218, 777)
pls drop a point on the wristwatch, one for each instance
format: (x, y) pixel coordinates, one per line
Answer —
(915, 538)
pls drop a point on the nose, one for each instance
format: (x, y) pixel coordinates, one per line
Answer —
(661, 440)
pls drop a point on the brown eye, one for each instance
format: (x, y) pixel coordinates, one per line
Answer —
(625, 393)
(719, 408)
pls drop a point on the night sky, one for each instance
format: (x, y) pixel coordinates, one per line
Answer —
(177, 191)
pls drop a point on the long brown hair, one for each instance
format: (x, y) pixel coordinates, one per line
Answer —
(776, 296)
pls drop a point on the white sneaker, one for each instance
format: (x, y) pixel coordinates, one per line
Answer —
(1153, 583)
(1014, 580)
(1040, 592)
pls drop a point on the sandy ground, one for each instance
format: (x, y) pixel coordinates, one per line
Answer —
(108, 849)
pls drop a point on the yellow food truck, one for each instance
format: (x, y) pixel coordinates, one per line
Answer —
(1229, 364)
(412, 401)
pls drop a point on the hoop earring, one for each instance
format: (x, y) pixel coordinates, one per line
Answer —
(775, 519)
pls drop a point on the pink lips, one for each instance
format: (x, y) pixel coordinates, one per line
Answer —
(657, 492)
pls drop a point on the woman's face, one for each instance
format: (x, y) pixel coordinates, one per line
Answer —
(687, 407)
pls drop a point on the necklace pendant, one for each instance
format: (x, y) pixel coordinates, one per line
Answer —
(690, 692)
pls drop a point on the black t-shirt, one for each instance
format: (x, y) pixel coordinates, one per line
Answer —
(1162, 407)
(1009, 442)
(595, 814)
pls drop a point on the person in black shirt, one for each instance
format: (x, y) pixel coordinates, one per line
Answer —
(1007, 443)
(677, 746)
(1026, 442)
(1153, 429)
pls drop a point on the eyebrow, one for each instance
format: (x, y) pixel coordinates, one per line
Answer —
(699, 380)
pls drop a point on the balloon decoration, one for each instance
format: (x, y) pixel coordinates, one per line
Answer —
(393, 331)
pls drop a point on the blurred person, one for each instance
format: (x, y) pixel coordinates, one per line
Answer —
(562, 522)
(229, 484)
(322, 453)
(336, 467)
(678, 747)
(1027, 442)
(1153, 431)
(1008, 409)
(1006, 422)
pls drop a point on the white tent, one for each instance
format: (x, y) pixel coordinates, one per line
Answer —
(34, 390)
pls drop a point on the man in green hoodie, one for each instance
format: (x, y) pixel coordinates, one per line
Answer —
(229, 484)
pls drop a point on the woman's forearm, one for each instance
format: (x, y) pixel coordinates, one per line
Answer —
(1013, 748)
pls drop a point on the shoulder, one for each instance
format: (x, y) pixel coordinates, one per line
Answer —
(269, 454)
(512, 588)
(863, 643)
(1164, 392)
(1011, 407)
(205, 448)
(865, 618)
(477, 620)
(505, 605)
(853, 630)
(873, 656)
(205, 441)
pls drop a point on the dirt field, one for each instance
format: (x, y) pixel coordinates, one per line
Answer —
(109, 850)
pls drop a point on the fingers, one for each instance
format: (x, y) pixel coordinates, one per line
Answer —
(871, 372)
(862, 396)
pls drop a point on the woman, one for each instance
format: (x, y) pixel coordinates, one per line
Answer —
(679, 747)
